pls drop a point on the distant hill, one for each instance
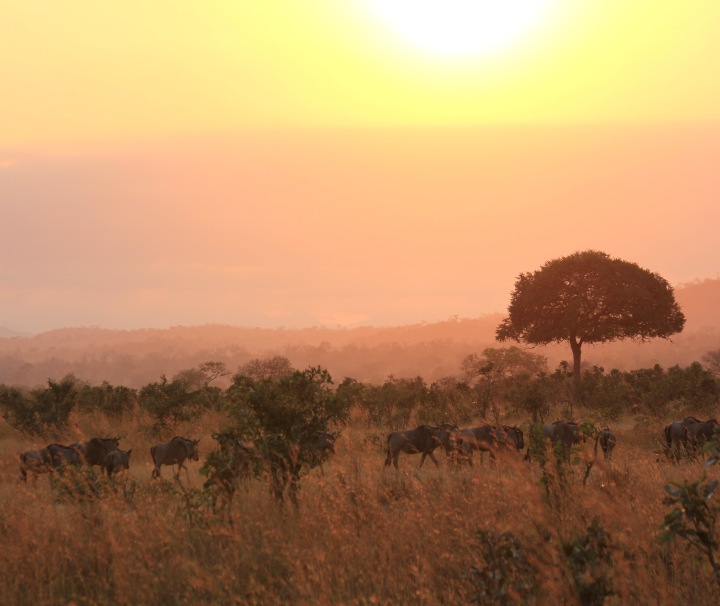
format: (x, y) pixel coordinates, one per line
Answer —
(431, 350)
(8, 333)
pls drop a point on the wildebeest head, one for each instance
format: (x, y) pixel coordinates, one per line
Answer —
(449, 436)
(192, 449)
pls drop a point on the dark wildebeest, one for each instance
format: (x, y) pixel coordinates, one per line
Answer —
(116, 461)
(701, 432)
(565, 433)
(174, 452)
(236, 463)
(286, 468)
(607, 442)
(95, 450)
(676, 434)
(61, 456)
(35, 461)
(423, 439)
(489, 438)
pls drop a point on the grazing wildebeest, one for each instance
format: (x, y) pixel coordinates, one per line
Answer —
(174, 452)
(61, 456)
(286, 464)
(35, 461)
(423, 439)
(607, 442)
(676, 434)
(116, 461)
(701, 432)
(489, 438)
(565, 432)
(95, 450)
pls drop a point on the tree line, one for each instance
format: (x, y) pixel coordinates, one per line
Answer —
(489, 385)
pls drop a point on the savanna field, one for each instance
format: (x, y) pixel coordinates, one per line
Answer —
(496, 533)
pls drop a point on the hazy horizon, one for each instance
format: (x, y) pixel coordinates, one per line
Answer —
(285, 164)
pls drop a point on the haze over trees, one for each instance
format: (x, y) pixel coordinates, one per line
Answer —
(134, 358)
(589, 297)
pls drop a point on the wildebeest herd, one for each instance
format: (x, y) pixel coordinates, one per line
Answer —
(459, 445)
(493, 438)
(105, 453)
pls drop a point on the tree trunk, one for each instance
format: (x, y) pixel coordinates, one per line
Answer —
(576, 347)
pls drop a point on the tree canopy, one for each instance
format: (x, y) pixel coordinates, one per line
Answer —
(589, 297)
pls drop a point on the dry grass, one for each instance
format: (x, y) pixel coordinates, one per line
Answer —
(363, 535)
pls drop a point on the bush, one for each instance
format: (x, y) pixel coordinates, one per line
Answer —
(506, 575)
(40, 409)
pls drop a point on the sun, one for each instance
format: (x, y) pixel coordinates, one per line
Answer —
(458, 28)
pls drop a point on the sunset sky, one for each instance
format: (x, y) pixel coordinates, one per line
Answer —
(344, 162)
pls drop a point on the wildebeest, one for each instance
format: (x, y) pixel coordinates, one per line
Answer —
(116, 461)
(423, 439)
(61, 456)
(95, 450)
(701, 432)
(565, 432)
(286, 463)
(489, 438)
(676, 434)
(607, 442)
(35, 461)
(174, 452)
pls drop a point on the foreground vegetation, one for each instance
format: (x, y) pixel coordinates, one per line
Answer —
(496, 533)
(639, 529)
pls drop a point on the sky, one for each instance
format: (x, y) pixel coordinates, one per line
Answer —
(344, 162)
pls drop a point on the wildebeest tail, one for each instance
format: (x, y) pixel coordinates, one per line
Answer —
(668, 438)
(152, 454)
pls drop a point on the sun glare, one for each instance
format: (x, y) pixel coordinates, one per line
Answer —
(457, 28)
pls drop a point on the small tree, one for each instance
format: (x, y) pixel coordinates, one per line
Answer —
(694, 518)
(283, 418)
(497, 364)
(112, 401)
(589, 297)
(273, 367)
(39, 409)
(712, 360)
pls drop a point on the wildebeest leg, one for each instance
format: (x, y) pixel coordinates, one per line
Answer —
(396, 456)
(432, 458)
(279, 482)
(293, 488)
(389, 458)
(155, 473)
(588, 467)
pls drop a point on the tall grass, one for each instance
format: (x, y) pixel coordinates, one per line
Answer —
(363, 534)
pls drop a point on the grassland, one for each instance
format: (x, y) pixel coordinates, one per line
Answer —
(363, 534)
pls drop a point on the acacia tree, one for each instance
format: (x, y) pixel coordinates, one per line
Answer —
(589, 297)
